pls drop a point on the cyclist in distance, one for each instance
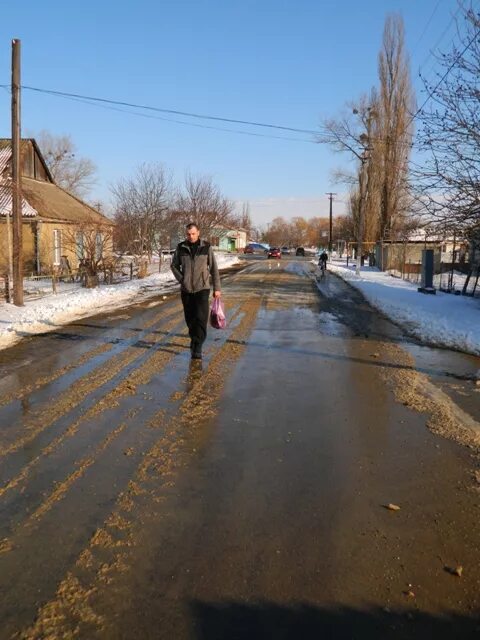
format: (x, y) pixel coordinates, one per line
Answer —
(322, 262)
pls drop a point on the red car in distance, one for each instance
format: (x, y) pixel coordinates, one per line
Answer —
(274, 252)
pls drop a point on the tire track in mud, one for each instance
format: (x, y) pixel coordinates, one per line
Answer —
(110, 553)
(22, 536)
(153, 364)
(414, 390)
(59, 373)
(78, 393)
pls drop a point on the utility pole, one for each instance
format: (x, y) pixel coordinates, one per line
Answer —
(10, 255)
(365, 141)
(16, 179)
(330, 234)
(361, 216)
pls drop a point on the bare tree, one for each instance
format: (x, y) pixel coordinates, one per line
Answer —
(343, 228)
(351, 133)
(299, 232)
(202, 202)
(317, 231)
(76, 175)
(245, 219)
(448, 179)
(143, 205)
(377, 133)
(296, 232)
(392, 139)
(91, 241)
(277, 232)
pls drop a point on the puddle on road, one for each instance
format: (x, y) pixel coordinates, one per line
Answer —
(454, 372)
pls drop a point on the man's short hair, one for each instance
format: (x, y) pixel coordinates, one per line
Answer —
(192, 224)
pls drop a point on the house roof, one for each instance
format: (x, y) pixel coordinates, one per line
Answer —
(54, 203)
(220, 227)
(5, 155)
(48, 201)
(6, 202)
(6, 150)
(43, 199)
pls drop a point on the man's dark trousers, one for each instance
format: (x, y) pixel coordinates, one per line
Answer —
(196, 309)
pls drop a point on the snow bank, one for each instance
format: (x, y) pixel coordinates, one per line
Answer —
(53, 311)
(442, 319)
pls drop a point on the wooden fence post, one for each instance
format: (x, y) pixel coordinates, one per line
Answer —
(7, 287)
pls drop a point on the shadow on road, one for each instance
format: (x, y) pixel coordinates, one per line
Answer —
(235, 621)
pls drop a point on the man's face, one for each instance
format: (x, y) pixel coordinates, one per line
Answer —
(192, 234)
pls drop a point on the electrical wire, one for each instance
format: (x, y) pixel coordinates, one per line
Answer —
(427, 25)
(116, 105)
(188, 124)
(170, 111)
(432, 91)
(439, 39)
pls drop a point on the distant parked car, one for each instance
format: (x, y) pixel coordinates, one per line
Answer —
(300, 252)
(285, 251)
(255, 247)
(274, 252)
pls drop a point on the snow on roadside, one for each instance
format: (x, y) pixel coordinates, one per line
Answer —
(54, 311)
(442, 319)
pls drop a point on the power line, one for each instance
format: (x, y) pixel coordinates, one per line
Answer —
(439, 39)
(432, 91)
(110, 104)
(427, 25)
(170, 111)
(189, 124)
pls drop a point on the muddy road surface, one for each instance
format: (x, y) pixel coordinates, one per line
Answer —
(316, 476)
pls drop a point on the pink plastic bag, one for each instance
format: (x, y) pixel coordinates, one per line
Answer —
(217, 314)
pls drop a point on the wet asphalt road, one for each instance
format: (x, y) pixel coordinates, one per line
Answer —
(143, 497)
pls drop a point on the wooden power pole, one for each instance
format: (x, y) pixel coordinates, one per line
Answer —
(16, 179)
(330, 230)
(361, 212)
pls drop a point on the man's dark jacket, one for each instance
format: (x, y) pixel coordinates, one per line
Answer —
(193, 271)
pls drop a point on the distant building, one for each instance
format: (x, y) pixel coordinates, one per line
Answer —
(406, 254)
(225, 238)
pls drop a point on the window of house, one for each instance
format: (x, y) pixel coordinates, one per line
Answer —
(80, 248)
(214, 241)
(57, 247)
(98, 246)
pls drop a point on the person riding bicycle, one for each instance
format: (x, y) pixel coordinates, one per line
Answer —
(322, 261)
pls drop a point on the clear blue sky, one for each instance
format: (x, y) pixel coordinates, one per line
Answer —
(291, 62)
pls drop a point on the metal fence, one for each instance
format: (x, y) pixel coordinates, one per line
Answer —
(456, 278)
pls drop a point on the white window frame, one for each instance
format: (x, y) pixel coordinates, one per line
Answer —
(57, 247)
(98, 246)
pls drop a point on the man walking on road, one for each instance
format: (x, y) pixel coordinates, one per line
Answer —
(193, 265)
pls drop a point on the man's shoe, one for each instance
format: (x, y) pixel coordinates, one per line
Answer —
(196, 354)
